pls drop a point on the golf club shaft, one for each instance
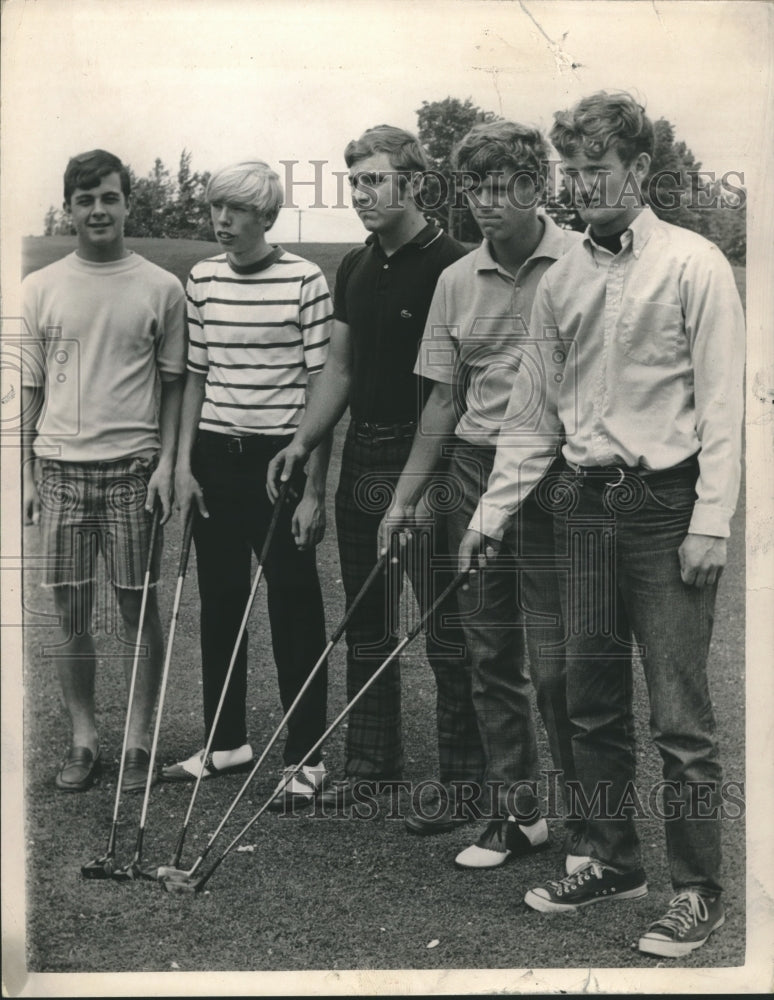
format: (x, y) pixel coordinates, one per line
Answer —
(185, 550)
(135, 665)
(275, 736)
(278, 504)
(458, 580)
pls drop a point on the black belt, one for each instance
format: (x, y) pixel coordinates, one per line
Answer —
(619, 471)
(384, 432)
(242, 444)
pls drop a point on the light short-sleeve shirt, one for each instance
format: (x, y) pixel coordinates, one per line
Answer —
(477, 334)
(101, 336)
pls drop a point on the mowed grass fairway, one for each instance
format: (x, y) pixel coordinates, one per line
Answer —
(305, 892)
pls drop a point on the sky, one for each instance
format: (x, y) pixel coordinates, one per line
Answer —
(232, 79)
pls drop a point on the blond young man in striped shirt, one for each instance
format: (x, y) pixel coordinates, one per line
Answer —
(259, 325)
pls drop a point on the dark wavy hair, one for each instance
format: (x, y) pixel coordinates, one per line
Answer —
(502, 145)
(87, 170)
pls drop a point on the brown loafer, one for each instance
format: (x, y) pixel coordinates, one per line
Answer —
(79, 770)
(136, 762)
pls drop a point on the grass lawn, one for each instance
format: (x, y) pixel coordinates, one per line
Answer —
(310, 893)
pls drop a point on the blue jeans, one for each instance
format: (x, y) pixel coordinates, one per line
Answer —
(515, 598)
(619, 534)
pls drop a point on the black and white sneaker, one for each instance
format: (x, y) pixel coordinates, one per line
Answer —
(504, 839)
(594, 882)
(686, 925)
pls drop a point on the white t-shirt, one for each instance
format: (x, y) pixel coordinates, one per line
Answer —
(100, 336)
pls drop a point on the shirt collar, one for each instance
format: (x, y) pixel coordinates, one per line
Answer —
(429, 234)
(636, 235)
(552, 246)
(260, 265)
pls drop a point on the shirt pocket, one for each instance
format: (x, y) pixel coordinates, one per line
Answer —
(651, 332)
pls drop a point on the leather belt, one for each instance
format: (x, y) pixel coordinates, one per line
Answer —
(620, 471)
(242, 444)
(384, 432)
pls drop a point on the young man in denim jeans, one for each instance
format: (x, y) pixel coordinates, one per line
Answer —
(476, 338)
(652, 412)
(109, 327)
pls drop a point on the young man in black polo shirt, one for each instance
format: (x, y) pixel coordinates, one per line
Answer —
(382, 296)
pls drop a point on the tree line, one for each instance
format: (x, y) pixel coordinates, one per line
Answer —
(678, 190)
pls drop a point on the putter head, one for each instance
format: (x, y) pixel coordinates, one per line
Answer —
(181, 885)
(99, 868)
(134, 873)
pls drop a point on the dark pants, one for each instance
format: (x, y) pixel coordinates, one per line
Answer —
(516, 597)
(234, 488)
(620, 535)
(374, 749)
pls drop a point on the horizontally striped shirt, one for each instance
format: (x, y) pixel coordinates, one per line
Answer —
(258, 333)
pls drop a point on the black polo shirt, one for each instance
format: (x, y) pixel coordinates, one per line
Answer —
(384, 301)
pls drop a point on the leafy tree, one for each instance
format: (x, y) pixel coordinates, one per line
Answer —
(188, 216)
(152, 199)
(681, 193)
(56, 223)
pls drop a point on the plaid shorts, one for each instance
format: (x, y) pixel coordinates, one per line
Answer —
(92, 507)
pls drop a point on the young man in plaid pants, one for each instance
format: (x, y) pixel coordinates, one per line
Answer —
(382, 295)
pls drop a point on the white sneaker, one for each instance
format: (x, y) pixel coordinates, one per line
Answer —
(504, 839)
(304, 785)
(218, 762)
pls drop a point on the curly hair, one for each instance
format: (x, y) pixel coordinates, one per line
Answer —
(603, 120)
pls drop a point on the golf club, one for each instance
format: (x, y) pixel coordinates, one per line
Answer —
(193, 885)
(133, 870)
(278, 503)
(104, 867)
(167, 871)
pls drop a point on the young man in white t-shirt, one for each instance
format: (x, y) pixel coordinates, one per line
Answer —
(101, 405)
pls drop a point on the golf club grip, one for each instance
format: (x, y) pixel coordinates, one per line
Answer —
(360, 594)
(185, 547)
(278, 505)
(155, 522)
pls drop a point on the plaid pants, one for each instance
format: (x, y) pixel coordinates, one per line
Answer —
(374, 748)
